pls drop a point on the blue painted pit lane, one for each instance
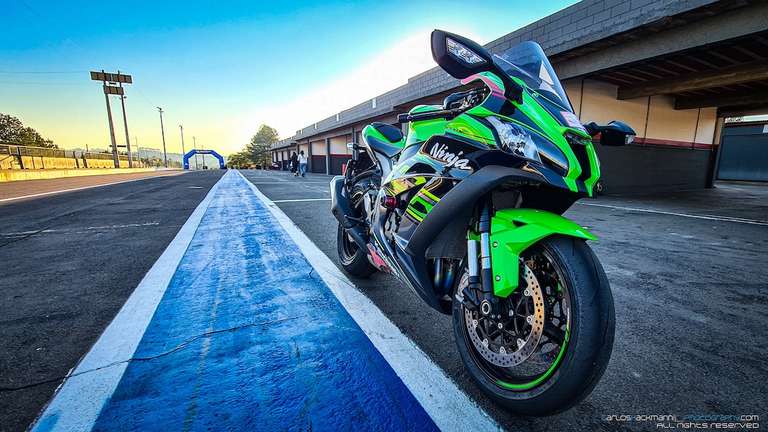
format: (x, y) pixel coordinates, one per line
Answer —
(247, 337)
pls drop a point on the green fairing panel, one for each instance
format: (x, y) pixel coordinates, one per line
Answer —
(370, 131)
(547, 126)
(424, 108)
(466, 126)
(515, 230)
(420, 131)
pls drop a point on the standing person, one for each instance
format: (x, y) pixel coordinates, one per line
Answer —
(302, 163)
(295, 164)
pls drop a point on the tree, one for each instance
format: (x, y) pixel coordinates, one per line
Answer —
(241, 159)
(259, 149)
(13, 131)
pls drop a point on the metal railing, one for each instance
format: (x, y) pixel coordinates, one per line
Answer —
(12, 156)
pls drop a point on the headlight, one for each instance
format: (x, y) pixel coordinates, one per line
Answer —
(515, 139)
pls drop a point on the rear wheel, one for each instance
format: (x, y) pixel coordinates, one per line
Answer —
(353, 259)
(545, 347)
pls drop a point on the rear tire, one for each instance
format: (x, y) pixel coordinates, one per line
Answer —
(587, 352)
(352, 259)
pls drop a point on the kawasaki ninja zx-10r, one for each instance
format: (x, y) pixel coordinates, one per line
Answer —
(466, 209)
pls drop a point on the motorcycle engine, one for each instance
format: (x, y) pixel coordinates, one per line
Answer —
(369, 203)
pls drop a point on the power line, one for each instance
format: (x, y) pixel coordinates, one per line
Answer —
(43, 72)
(141, 93)
(42, 83)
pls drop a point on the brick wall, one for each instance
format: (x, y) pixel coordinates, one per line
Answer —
(574, 26)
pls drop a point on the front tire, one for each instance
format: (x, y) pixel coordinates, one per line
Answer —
(586, 347)
(353, 259)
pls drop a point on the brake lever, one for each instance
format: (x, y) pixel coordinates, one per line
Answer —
(446, 114)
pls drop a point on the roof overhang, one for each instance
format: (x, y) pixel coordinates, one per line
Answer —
(720, 60)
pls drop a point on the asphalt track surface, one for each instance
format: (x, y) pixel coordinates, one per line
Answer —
(69, 261)
(687, 270)
(29, 189)
(236, 331)
(690, 282)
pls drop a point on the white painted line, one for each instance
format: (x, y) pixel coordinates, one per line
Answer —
(301, 200)
(272, 182)
(289, 182)
(80, 398)
(449, 407)
(693, 216)
(82, 188)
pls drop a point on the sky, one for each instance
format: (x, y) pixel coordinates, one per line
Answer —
(222, 68)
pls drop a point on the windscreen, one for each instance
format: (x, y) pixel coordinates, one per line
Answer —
(527, 62)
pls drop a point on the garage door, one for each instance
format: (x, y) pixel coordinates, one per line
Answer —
(744, 153)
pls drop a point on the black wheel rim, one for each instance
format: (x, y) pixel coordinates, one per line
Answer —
(548, 355)
(348, 247)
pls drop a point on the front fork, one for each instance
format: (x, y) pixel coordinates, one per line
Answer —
(480, 279)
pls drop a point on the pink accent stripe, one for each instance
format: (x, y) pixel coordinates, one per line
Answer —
(495, 89)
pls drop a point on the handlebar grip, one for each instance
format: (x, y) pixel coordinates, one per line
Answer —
(447, 114)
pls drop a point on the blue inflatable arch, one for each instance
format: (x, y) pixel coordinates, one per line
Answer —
(203, 152)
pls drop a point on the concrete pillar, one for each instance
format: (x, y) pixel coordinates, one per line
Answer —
(327, 156)
(714, 153)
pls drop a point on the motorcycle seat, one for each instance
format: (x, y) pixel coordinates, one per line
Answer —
(392, 143)
(391, 133)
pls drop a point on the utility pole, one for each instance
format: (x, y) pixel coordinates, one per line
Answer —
(181, 128)
(194, 143)
(162, 132)
(138, 152)
(183, 152)
(111, 129)
(108, 80)
(125, 125)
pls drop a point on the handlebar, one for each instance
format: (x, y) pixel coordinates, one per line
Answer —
(446, 114)
(467, 96)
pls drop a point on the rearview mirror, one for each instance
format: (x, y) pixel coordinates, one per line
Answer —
(459, 56)
(614, 134)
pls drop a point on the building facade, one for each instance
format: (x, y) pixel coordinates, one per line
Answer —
(673, 70)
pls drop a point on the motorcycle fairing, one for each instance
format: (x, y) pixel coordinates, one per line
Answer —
(380, 148)
(445, 165)
(515, 230)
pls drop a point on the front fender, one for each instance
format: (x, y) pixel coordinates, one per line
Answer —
(515, 230)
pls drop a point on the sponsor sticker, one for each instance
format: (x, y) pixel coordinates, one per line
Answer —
(441, 153)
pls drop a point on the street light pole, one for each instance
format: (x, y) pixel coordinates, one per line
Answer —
(194, 143)
(125, 125)
(115, 158)
(183, 152)
(162, 132)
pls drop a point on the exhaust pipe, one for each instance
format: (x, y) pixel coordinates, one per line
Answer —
(341, 208)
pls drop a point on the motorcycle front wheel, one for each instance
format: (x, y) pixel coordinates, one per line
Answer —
(544, 348)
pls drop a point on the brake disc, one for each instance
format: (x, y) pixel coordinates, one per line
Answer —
(520, 350)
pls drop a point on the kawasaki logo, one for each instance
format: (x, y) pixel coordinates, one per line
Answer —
(441, 153)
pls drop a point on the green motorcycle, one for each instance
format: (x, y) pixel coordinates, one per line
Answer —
(466, 210)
